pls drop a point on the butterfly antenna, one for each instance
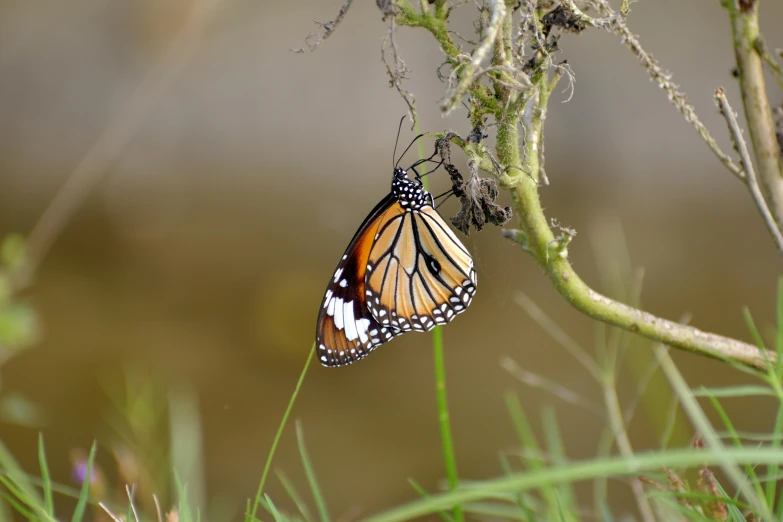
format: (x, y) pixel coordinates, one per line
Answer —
(394, 154)
(406, 150)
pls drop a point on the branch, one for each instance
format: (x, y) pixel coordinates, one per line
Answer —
(747, 166)
(537, 240)
(615, 23)
(551, 253)
(745, 30)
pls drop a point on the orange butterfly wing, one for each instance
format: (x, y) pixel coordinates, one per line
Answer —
(346, 331)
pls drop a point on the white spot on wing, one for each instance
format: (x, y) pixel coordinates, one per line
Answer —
(361, 327)
(338, 313)
(337, 274)
(348, 320)
(343, 283)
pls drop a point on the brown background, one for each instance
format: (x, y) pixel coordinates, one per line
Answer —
(203, 252)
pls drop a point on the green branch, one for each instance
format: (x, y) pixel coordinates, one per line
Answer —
(552, 255)
(745, 30)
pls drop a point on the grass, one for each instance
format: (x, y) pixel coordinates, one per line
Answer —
(724, 475)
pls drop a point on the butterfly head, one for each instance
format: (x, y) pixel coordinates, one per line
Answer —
(410, 193)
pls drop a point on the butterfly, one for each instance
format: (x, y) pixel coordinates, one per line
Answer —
(404, 270)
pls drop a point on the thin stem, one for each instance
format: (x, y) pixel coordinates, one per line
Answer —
(441, 398)
(447, 443)
(617, 425)
(745, 29)
(747, 166)
(616, 24)
(280, 428)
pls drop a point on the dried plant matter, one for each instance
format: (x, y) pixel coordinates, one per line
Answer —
(477, 195)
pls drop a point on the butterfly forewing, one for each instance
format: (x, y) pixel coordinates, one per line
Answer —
(346, 330)
(419, 274)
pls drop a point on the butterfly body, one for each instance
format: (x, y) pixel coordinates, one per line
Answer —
(404, 270)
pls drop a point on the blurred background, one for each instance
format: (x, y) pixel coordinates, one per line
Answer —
(226, 192)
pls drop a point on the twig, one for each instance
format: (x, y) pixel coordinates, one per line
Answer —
(554, 388)
(557, 333)
(114, 138)
(313, 41)
(747, 166)
(479, 54)
(400, 71)
(616, 24)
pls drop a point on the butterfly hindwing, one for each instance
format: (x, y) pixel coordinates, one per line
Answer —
(419, 274)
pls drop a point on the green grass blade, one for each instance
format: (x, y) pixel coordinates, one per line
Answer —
(735, 514)
(46, 478)
(521, 499)
(295, 497)
(268, 465)
(310, 473)
(702, 424)
(423, 493)
(19, 507)
(736, 440)
(778, 383)
(20, 485)
(575, 471)
(183, 503)
(670, 426)
(771, 485)
(735, 391)
(273, 510)
(84, 494)
(533, 456)
(496, 511)
(779, 332)
(187, 443)
(606, 513)
(564, 494)
(754, 332)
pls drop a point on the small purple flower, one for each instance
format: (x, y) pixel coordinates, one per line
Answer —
(79, 472)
